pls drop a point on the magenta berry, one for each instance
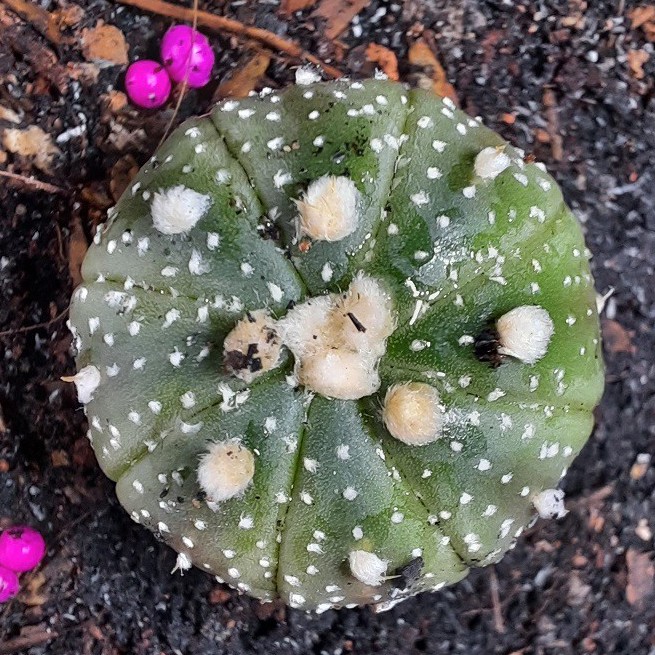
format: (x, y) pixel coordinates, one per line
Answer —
(147, 84)
(187, 55)
(21, 548)
(8, 584)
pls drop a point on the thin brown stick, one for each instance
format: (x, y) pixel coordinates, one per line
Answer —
(39, 18)
(23, 642)
(29, 328)
(223, 24)
(499, 624)
(185, 83)
(30, 181)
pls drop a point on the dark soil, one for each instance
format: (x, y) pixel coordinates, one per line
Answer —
(555, 77)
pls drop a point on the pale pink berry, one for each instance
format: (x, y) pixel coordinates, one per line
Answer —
(147, 84)
(21, 548)
(8, 584)
(187, 55)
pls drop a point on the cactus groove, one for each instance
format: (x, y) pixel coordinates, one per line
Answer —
(446, 251)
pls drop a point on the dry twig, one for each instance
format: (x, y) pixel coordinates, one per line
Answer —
(29, 328)
(33, 182)
(499, 624)
(223, 24)
(39, 18)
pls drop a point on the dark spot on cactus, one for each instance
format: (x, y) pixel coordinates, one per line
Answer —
(235, 360)
(355, 322)
(201, 495)
(180, 499)
(405, 576)
(164, 492)
(269, 230)
(486, 347)
(291, 304)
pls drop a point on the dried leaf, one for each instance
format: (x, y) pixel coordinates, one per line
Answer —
(617, 339)
(245, 78)
(59, 458)
(122, 173)
(421, 56)
(33, 143)
(641, 15)
(644, 18)
(289, 7)
(7, 114)
(640, 576)
(77, 247)
(385, 59)
(68, 16)
(338, 14)
(104, 43)
(636, 61)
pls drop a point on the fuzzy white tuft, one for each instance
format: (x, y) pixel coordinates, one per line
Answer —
(525, 332)
(306, 327)
(550, 504)
(329, 210)
(412, 413)
(337, 340)
(491, 162)
(86, 380)
(367, 319)
(306, 75)
(226, 470)
(339, 373)
(367, 567)
(178, 209)
(252, 347)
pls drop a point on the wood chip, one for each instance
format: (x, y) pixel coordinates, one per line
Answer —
(640, 576)
(644, 18)
(617, 339)
(434, 76)
(77, 247)
(288, 7)
(636, 61)
(104, 44)
(32, 143)
(385, 59)
(9, 115)
(338, 14)
(245, 78)
(122, 173)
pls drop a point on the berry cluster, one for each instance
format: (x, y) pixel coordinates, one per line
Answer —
(187, 55)
(21, 550)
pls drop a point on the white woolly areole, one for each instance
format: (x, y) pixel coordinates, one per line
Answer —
(525, 332)
(86, 380)
(412, 413)
(491, 162)
(367, 567)
(178, 209)
(550, 504)
(338, 373)
(252, 347)
(226, 470)
(338, 339)
(305, 75)
(329, 210)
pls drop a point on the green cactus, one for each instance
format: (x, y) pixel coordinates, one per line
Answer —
(338, 344)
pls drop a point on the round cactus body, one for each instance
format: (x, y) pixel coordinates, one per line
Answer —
(338, 344)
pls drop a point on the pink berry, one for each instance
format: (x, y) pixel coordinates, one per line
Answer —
(147, 84)
(21, 548)
(187, 55)
(8, 584)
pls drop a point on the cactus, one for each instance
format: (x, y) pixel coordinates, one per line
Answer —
(338, 344)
